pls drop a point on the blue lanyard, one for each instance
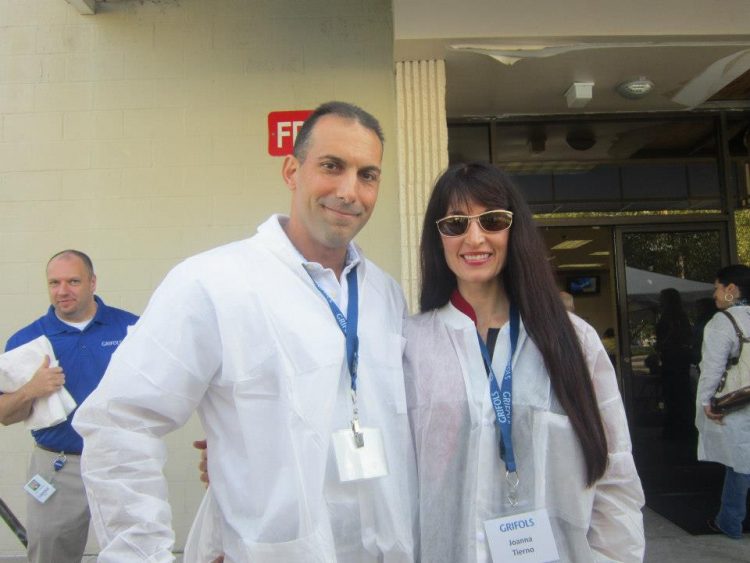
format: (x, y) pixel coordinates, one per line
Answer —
(502, 396)
(348, 323)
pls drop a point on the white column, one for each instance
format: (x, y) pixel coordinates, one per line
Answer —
(423, 154)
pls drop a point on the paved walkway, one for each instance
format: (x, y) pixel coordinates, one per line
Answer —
(666, 542)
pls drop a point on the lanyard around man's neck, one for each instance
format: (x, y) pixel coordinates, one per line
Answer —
(348, 325)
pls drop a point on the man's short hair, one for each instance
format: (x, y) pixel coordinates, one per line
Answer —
(339, 109)
(82, 255)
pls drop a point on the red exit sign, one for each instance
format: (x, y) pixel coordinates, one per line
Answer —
(283, 127)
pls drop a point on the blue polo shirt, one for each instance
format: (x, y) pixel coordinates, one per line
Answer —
(84, 356)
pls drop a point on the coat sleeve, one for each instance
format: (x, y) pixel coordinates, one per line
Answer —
(616, 529)
(155, 380)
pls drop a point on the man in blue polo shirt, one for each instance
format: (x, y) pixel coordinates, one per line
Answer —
(84, 333)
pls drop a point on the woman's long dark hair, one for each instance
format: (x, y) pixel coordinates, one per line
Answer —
(529, 283)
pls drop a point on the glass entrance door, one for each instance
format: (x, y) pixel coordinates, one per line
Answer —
(665, 283)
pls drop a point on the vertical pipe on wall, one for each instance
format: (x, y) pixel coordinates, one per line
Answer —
(423, 154)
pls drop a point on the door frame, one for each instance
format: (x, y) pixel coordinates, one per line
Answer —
(719, 224)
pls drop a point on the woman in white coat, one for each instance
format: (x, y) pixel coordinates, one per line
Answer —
(725, 438)
(564, 461)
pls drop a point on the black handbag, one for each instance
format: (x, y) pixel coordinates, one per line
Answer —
(733, 391)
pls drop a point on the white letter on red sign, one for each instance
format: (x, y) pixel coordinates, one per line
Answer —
(297, 127)
(282, 130)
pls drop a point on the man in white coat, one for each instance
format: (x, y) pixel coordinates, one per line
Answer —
(288, 345)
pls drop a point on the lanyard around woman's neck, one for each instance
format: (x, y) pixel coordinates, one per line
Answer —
(501, 395)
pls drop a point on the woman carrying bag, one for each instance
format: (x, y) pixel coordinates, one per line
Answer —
(725, 434)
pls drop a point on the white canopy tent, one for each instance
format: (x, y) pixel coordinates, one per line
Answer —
(643, 285)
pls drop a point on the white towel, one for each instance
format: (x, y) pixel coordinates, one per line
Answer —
(18, 366)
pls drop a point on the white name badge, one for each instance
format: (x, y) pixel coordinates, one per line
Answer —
(356, 463)
(39, 488)
(523, 537)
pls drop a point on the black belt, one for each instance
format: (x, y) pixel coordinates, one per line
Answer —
(46, 449)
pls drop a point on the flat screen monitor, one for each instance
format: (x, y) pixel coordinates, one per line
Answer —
(583, 285)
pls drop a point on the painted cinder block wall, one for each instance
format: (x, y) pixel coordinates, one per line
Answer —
(139, 136)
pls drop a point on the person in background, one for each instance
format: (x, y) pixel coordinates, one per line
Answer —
(513, 403)
(673, 345)
(84, 333)
(568, 301)
(288, 345)
(705, 310)
(725, 437)
(609, 341)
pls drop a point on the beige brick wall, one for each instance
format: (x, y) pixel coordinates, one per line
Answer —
(139, 136)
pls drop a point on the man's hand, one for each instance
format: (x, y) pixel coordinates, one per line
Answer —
(714, 416)
(202, 445)
(16, 406)
(45, 381)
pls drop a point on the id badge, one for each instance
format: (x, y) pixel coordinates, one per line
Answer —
(39, 488)
(523, 537)
(355, 463)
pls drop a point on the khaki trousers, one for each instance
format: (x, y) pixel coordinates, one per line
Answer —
(58, 529)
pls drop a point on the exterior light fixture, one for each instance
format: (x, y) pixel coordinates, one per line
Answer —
(579, 94)
(635, 89)
(537, 142)
(580, 139)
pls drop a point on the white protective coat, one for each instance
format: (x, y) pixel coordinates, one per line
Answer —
(241, 334)
(728, 443)
(461, 478)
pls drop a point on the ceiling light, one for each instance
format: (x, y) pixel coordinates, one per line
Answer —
(635, 89)
(599, 253)
(581, 266)
(570, 244)
(579, 94)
